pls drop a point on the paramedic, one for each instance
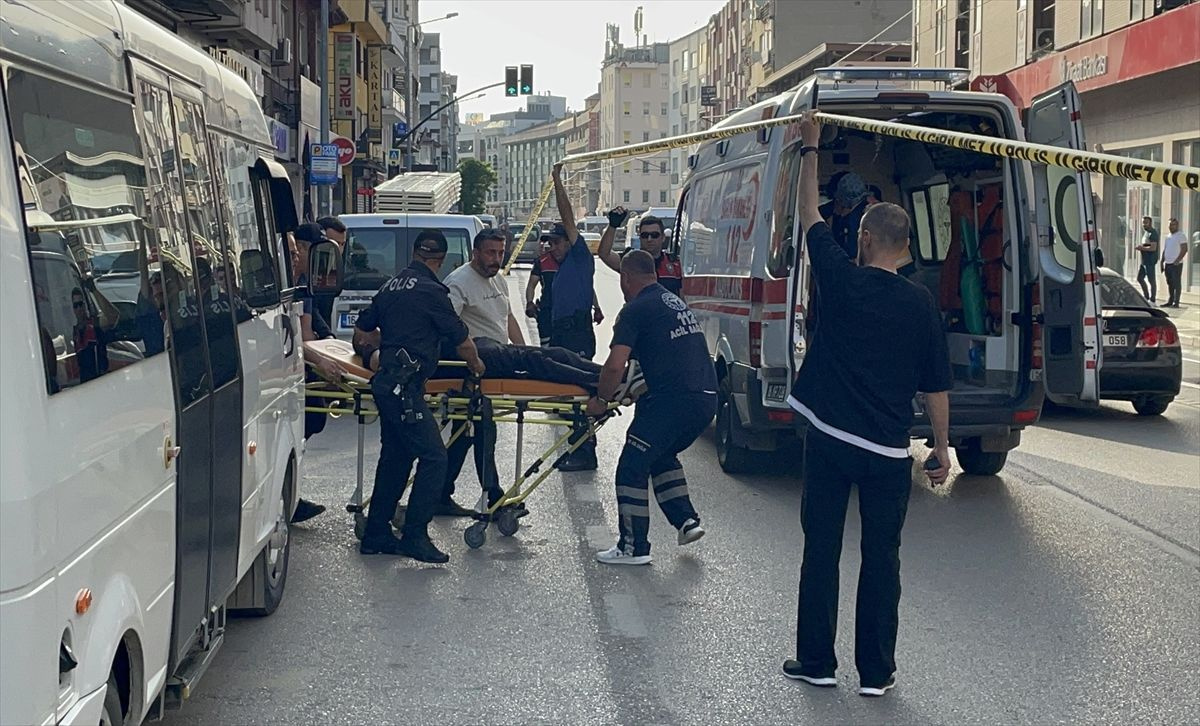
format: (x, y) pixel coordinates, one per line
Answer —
(653, 237)
(882, 342)
(572, 299)
(413, 314)
(678, 405)
(480, 297)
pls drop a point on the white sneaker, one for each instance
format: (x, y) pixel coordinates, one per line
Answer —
(617, 556)
(876, 691)
(690, 532)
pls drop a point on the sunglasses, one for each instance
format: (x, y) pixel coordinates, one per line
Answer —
(77, 304)
(649, 235)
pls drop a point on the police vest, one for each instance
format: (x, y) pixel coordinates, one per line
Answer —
(670, 273)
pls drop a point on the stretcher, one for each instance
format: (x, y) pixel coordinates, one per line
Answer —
(456, 405)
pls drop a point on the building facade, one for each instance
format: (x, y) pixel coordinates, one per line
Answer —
(685, 113)
(1136, 66)
(635, 100)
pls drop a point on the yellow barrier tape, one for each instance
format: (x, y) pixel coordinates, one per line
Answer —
(1171, 175)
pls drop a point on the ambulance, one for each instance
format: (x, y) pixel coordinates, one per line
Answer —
(1004, 246)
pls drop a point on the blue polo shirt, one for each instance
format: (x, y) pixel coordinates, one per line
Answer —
(572, 291)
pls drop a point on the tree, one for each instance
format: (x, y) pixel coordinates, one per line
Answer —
(477, 181)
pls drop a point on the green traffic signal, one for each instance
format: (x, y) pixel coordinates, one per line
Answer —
(526, 80)
(510, 81)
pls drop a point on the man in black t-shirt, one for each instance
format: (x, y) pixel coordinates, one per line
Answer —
(881, 341)
(680, 401)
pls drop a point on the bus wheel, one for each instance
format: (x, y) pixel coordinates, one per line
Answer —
(977, 462)
(268, 574)
(111, 715)
(733, 459)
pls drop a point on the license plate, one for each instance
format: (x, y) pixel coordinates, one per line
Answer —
(1116, 341)
(347, 320)
(776, 392)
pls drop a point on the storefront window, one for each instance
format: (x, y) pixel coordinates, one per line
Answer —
(1185, 206)
(1121, 210)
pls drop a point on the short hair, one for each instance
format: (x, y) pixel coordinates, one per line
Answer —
(485, 234)
(310, 232)
(650, 219)
(1148, 217)
(638, 263)
(332, 223)
(1174, 219)
(887, 223)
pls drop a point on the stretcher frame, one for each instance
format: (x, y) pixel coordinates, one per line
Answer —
(352, 395)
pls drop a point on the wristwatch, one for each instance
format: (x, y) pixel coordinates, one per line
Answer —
(805, 149)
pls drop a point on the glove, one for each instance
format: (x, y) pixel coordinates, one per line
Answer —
(531, 309)
(617, 217)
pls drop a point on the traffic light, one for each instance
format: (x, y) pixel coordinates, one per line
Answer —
(526, 80)
(510, 81)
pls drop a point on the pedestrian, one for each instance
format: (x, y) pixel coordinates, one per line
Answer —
(881, 343)
(573, 300)
(680, 401)
(1175, 249)
(539, 307)
(1149, 249)
(480, 297)
(653, 237)
(413, 314)
(334, 230)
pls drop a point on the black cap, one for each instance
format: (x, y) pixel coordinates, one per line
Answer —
(431, 241)
(558, 230)
(310, 232)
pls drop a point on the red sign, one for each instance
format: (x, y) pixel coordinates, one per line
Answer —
(365, 192)
(346, 150)
(1171, 40)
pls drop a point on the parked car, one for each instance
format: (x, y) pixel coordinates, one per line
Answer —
(1143, 360)
(593, 241)
(529, 249)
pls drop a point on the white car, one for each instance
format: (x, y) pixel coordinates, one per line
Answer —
(378, 246)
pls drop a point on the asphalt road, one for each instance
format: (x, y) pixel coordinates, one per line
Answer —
(1067, 589)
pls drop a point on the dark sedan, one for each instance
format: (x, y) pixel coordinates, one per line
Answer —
(1143, 361)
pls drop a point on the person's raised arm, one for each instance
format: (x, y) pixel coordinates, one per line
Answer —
(616, 217)
(826, 255)
(565, 210)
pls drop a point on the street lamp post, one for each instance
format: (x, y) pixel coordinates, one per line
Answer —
(410, 42)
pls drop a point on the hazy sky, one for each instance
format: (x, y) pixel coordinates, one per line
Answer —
(563, 39)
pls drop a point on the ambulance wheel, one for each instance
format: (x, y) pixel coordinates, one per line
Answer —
(977, 462)
(475, 535)
(733, 459)
(507, 523)
(360, 525)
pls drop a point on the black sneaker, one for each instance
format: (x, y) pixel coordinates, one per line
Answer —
(451, 508)
(306, 510)
(386, 545)
(792, 669)
(579, 462)
(876, 691)
(422, 550)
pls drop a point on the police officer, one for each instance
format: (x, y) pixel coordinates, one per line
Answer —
(413, 314)
(653, 236)
(680, 402)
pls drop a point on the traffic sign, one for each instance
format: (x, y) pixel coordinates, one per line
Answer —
(323, 164)
(345, 149)
(393, 157)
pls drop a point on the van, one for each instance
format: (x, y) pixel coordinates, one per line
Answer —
(379, 246)
(1004, 246)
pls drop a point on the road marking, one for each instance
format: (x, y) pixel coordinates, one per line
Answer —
(624, 616)
(1189, 385)
(1191, 360)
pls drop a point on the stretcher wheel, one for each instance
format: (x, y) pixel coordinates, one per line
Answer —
(360, 525)
(506, 522)
(475, 535)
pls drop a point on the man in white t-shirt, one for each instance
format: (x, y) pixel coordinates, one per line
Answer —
(480, 297)
(1175, 249)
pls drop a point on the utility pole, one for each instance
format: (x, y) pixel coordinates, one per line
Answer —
(324, 191)
(409, 42)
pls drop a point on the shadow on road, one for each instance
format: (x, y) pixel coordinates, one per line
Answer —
(1153, 432)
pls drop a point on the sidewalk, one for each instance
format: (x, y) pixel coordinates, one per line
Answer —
(1187, 319)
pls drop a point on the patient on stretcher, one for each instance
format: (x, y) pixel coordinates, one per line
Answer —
(554, 365)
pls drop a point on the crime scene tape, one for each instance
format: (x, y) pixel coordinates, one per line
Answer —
(1172, 175)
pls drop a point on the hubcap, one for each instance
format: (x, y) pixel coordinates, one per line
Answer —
(276, 546)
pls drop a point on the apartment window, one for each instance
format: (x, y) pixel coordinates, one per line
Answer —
(645, 108)
(626, 107)
(646, 80)
(645, 167)
(662, 196)
(625, 196)
(645, 136)
(675, 100)
(1137, 11)
(674, 164)
(686, 93)
(625, 137)
(645, 196)
(664, 81)
(674, 129)
(662, 167)
(1091, 18)
(662, 111)
(675, 67)
(626, 79)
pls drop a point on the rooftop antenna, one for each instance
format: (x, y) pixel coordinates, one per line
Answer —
(637, 23)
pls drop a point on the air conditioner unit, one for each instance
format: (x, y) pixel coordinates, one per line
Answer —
(1043, 40)
(282, 54)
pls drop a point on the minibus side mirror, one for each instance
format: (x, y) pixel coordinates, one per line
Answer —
(325, 268)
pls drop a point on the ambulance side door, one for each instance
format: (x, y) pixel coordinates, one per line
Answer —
(1066, 243)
